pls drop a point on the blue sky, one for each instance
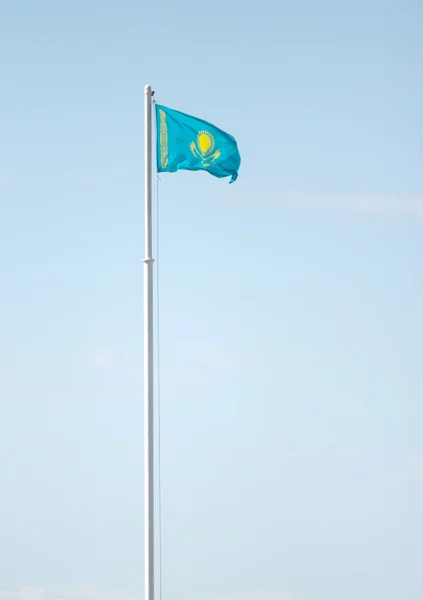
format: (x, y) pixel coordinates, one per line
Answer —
(291, 319)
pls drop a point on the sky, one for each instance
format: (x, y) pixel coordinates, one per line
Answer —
(291, 329)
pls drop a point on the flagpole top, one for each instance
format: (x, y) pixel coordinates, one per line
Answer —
(147, 90)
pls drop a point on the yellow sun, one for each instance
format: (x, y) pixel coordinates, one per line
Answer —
(205, 142)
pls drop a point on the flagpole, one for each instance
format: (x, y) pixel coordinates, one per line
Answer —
(148, 363)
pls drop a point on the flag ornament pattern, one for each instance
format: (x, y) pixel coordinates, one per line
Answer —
(163, 141)
(188, 143)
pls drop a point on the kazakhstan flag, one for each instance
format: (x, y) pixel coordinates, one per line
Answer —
(185, 142)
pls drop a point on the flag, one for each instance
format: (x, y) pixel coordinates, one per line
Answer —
(185, 142)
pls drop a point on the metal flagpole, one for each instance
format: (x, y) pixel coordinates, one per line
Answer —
(148, 364)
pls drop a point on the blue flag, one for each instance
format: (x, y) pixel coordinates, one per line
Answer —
(185, 142)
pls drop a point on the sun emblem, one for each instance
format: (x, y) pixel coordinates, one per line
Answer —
(204, 148)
